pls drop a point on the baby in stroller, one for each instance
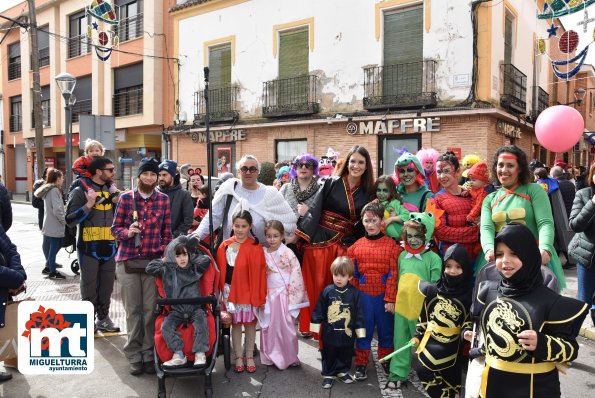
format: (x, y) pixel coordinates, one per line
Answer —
(180, 270)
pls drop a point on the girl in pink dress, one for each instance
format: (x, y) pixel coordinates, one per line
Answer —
(285, 296)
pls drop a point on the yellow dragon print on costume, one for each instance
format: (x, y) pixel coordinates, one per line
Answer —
(505, 323)
(335, 314)
(445, 314)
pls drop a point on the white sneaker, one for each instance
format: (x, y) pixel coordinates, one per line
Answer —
(179, 359)
(200, 359)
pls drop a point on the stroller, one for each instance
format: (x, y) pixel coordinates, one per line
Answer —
(209, 283)
(69, 244)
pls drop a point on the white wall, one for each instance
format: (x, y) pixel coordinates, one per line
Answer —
(344, 42)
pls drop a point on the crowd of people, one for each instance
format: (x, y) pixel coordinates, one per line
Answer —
(457, 259)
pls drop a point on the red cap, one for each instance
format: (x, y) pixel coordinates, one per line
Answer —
(479, 171)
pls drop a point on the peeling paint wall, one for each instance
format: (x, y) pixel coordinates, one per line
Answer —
(344, 42)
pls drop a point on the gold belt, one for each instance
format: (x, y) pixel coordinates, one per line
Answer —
(433, 327)
(513, 367)
(336, 222)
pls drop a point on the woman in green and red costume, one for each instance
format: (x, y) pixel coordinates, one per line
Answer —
(518, 200)
(410, 179)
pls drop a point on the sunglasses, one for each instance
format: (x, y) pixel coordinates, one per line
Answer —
(309, 165)
(406, 170)
(109, 169)
(251, 169)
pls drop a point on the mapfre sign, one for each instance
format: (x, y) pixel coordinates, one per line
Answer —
(394, 126)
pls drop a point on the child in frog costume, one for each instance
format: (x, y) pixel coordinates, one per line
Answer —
(416, 263)
(395, 214)
(410, 179)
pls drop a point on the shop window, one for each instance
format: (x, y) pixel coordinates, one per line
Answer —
(287, 150)
(14, 61)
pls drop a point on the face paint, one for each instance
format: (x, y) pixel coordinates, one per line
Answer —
(415, 239)
(382, 192)
(407, 175)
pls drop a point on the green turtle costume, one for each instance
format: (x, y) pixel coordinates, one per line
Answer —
(416, 200)
(415, 264)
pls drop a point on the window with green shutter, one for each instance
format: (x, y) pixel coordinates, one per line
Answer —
(293, 67)
(220, 78)
(403, 52)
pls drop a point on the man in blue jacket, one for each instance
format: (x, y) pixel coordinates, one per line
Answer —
(12, 281)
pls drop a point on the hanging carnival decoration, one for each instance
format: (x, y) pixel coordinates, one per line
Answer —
(102, 31)
(568, 42)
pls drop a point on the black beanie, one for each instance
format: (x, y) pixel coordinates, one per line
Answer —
(148, 164)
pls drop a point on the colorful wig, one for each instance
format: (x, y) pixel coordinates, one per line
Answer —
(427, 154)
(303, 158)
(409, 160)
(469, 160)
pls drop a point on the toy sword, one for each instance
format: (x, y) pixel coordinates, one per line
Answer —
(392, 354)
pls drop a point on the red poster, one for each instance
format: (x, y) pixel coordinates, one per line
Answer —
(457, 152)
(223, 155)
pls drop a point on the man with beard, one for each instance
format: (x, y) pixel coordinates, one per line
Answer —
(182, 210)
(93, 211)
(138, 288)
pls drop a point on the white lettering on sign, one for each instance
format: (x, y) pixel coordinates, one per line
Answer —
(394, 126)
(220, 136)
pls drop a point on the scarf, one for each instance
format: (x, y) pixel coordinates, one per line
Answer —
(522, 242)
(301, 196)
(456, 286)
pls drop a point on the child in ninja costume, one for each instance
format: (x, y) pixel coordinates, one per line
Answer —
(416, 263)
(339, 311)
(375, 258)
(444, 314)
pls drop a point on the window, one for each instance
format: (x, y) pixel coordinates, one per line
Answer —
(508, 37)
(131, 19)
(293, 53)
(45, 108)
(14, 61)
(43, 44)
(16, 114)
(289, 149)
(128, 94)
(220, 66)
(84, 102)
(78, 43)
(402, 71)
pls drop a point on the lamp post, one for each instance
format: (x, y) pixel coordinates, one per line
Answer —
(66, 83)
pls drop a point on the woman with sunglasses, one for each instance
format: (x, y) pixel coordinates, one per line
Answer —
(333, 224)
(410, 179)
(263, 202)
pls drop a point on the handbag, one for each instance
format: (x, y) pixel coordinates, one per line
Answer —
(136, 265)
(8, 334)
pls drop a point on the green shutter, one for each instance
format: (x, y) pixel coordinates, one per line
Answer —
(220, 66)
(403, 52)
(508, 27)
(293, 53)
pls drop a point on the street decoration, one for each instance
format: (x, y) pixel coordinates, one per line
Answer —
(568, 42)
(102, 30)
(558, 128)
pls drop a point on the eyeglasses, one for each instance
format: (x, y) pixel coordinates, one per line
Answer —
(109, 169)
(406, 170)
(309, 165)
(250, 169)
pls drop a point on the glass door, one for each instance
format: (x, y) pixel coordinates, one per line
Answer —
(391, 147)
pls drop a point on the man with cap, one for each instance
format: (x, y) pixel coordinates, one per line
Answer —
(138, 288)
(182, 209)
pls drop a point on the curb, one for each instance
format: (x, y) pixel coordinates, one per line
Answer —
(588, 333)
(20, 202)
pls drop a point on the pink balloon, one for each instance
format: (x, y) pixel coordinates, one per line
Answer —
(559, 128)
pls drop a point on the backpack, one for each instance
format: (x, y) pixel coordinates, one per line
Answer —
(35, 201)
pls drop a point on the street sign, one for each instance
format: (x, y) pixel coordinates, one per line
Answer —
(98, 127)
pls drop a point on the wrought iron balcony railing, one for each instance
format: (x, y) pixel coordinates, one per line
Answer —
(78, 45)
(290, 96)
(222, 104)
(541, 101)
(81, 107)
(46, 118)
(44, 57)
(130, 28)
(514, 89)
(14, 70)
(16, 123)
(400, 86)
(128, 102)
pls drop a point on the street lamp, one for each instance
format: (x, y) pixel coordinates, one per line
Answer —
(66, 83)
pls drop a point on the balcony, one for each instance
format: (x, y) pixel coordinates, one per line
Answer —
(514, 89)
(400, 86)
(81, 107)
(14, 70)
(15, 123)
(222, 104)
(291, 96)
(130, 28)
(45, 114)
(128, 101)
(44, 57)
(540, 102)
(78, 45)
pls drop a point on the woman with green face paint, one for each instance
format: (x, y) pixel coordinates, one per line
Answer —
(394, 212)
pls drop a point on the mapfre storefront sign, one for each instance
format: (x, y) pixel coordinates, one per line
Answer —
(394, 126)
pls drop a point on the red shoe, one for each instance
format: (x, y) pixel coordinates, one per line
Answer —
(239, 368)
(250, 368)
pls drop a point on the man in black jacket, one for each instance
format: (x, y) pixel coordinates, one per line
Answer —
(182, 209)
(567, 188)
(38, 202)
(5, 209)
